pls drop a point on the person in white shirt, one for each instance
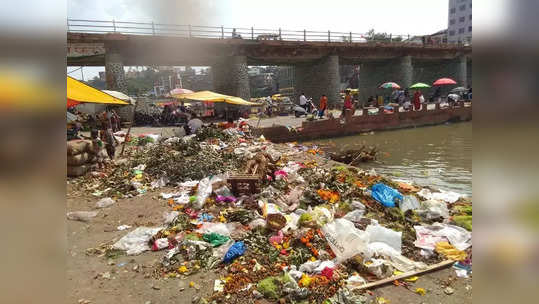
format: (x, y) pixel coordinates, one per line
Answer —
(194, 124)
(303, 101)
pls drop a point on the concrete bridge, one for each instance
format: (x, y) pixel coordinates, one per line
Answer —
(316, 62)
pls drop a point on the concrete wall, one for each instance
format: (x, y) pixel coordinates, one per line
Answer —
(317, 78)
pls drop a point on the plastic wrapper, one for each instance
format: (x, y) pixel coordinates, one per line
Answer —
(432, 209)
(428, 236)
(354, 216)
(168, 217)
(442, 195)
(136, 241)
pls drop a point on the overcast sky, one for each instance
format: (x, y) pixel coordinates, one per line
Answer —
(414, 17)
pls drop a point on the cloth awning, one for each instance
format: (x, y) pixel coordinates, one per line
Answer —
(78, 92)
(121, 96)
(216, 97)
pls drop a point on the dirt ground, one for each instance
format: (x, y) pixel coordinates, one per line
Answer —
(131, 279)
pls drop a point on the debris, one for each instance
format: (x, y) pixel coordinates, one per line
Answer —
(448, 290)
(83, 216)
(420, 291)
(386, 195)
(123, 227)
(136, 241)
(238, 249)
(105, 202)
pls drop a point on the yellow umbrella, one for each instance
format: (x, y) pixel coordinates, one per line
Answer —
(216, 97)
(80, 92)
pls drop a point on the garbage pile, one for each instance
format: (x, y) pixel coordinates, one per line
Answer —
(306, 231)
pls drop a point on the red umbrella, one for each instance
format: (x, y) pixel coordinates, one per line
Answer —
(444, 81)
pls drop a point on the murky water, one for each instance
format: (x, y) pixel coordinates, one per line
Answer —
(438, 156)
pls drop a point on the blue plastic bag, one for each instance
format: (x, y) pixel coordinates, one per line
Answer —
(236, 250)
(385, 194)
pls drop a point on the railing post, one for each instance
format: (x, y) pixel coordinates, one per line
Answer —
(390, 37)
(222, 32)
(350, 37)
(68, 25)
(280, 37)
(114, 25)
(329, 37)
(189, 30)
(408, 37)
(304, 35)
(252, 34)
(153, 28)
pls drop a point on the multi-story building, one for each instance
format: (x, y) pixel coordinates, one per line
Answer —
(459, 27)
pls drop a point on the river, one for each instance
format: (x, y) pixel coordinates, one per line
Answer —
(438, 156)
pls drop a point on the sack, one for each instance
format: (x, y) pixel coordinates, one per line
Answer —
(79, 159)
(77, 170)
(79, 146)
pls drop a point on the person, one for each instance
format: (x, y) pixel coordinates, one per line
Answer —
(230, 123)
(437, 94)
(370, 101)
(303, 102)
(347, 103)
(417, 103)
(194, 124)
(235, 35)
(323, 105)
(115, 118)
(469, 95)
(106, 133)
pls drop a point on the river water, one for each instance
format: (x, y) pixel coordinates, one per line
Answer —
(438, 156)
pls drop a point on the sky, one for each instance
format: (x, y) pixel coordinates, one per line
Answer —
(414, 17)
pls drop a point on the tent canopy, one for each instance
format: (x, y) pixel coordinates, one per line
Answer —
(216, 97)
(80, 92)
(121, 96)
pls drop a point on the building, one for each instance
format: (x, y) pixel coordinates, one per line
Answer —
(459, 27)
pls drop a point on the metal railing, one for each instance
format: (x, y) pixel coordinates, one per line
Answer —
(196, 31)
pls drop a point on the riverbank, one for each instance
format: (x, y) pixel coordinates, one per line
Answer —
(142, 278)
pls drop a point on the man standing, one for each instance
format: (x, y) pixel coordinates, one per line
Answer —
(303, 102)
(323, 106)
(106, 133)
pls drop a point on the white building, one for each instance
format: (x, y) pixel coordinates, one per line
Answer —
(459, 26)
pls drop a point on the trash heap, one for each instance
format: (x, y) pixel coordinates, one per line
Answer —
(310, 229)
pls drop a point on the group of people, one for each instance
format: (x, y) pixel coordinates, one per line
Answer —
(323, 104)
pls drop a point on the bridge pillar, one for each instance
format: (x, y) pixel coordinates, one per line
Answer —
(315, 79)
(114, 71)
(462, 73)
(230, 77)
(406, 71)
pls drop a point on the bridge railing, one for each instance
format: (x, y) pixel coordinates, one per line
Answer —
(196, 31)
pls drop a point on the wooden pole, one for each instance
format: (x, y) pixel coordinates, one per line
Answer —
(129, 129)
(405, 275)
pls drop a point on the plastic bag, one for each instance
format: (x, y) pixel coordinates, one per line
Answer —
(321, 215)
(355, 281)
(215, 239)
(385, 194)
(441, 195)
(168, 217)
(409, 202)
(104, 202)
(208, 227)
(204, 190)
(345, 239)
(385, 235)
(219, 252)
(236, 250)
(257, 223)
(428, 236)
(136, 241)
(432, 209)
(354, 216)
(83, 216)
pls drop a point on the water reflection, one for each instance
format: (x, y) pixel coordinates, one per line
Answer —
(437, 156)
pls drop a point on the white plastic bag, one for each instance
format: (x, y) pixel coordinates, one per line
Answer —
(105, 202)
(204, 190)
(428, 236)
(384, 235)
(432, 209)
(208, 227)
(354, 216)
(83, 216)
(345, 239)
(136, 241)
(168, 217)
(409, 202)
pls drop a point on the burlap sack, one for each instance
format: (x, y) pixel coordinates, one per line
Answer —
(77, 170)
(80, 159)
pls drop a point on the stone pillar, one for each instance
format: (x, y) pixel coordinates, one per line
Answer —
(462, 73)
(114, 71)
(230, 77)
(317, 78)
(406, 72)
